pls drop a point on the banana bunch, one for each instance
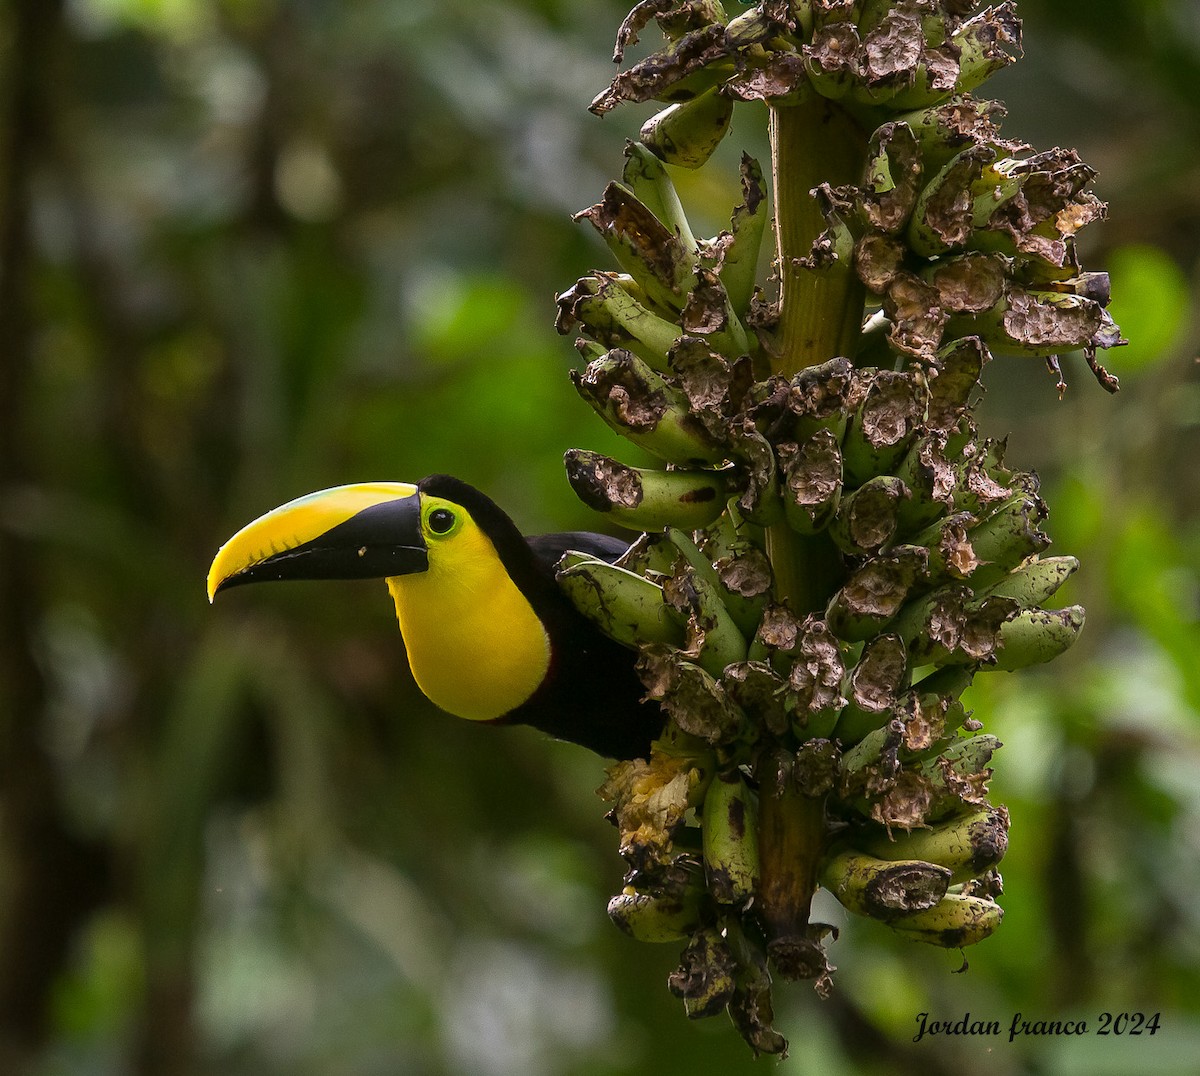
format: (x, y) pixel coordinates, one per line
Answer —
(956, 232)
(825, 745)
(869, 55)
(950, 217)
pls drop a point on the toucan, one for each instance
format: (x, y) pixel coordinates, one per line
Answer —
(490, 635)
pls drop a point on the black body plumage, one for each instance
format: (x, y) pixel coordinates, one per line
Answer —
(591, 694)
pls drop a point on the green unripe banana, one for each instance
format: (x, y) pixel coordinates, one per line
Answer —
(828, 62)
(650, 182)
(955, 921)
(714, 639)
(882, 427)
(650, 555)
(1039, 324)
(884, 889)
(1034, 583)
(644, 499)
(812, 480)
(642, 406)
(686, 134)
(734, 547)
(676, 20)
(959, 774)
(930, 480)
(978, 46)
(644, 247)
(981, 40)
(964, 756)
(652, 918)
(695, 59)
(939, 222)
(967, 845)
(692, 697)
(867, 518)
(1035, 636)
(705, 978)
(607, 311)
(941, 128)
(730, 835)
(873, 689)
(951, 555)
(739, 257)
(745, 612)
(1006, 537)
(626, 607)
(875, 593)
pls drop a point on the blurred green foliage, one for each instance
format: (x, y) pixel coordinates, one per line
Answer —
(255, 247)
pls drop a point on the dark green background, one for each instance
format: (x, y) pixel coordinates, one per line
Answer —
(252, 248)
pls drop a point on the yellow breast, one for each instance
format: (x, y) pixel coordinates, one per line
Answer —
(475, 646)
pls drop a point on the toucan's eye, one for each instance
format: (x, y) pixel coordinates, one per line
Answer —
(441, 520)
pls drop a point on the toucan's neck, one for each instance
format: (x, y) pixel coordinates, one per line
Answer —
(475, 644)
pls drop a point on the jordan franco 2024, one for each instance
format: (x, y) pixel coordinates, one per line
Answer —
(1021, 1026)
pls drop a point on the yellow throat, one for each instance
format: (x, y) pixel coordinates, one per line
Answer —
(475, 646)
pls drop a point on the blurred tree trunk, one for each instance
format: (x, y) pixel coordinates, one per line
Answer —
(52, 877)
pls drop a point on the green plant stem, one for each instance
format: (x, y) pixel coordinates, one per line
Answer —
(821, 310)
(808, 568)
(791, 845)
